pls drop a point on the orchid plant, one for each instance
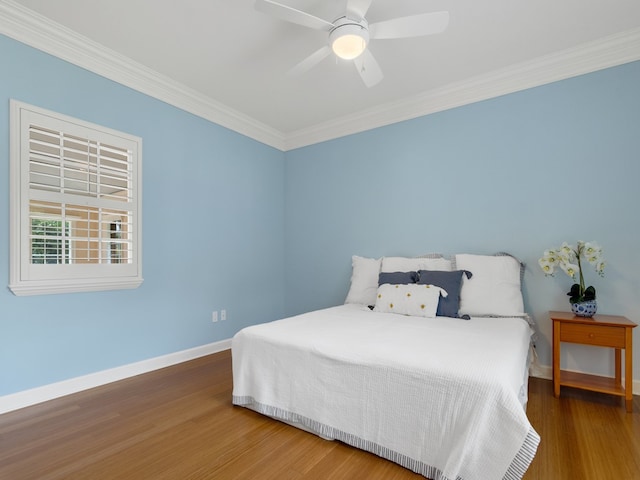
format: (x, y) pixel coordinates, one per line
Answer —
(569, 259)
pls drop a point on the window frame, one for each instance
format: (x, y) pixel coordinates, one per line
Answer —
(27, 278)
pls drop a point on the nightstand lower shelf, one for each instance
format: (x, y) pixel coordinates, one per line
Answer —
(595, 383)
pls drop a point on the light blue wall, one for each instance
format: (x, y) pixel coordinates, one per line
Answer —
(227, 219)
(213, 213)
(519, 173)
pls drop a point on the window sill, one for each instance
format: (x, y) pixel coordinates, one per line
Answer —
(86, 285)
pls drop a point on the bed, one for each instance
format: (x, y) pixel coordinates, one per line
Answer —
(444, 396)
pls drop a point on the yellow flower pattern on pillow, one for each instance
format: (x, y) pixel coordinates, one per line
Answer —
(412, 299)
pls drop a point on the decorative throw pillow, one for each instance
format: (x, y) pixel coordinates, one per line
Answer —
(406, 264)
(364, 280)
(452, 283)
(494, 289)
(395, 278)
(416, 300)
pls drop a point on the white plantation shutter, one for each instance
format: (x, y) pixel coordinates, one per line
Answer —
(77, 225)
(64, 163)
(64, 170)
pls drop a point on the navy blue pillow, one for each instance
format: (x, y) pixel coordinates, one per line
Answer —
(452, 282)
(397, 278)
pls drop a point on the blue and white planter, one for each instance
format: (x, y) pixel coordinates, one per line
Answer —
(585, 309)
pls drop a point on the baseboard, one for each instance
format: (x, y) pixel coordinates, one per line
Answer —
(546, 372)
(33, 396)
(37, 395)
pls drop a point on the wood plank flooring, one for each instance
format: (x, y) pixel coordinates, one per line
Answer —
(178, 423)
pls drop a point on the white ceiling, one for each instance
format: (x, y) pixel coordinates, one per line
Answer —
(225, 54)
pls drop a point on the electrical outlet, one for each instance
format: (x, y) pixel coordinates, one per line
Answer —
(214, 316)
(223, 315)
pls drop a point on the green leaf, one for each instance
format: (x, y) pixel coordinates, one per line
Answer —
(589, 293)
(575, 294)
(575, 290)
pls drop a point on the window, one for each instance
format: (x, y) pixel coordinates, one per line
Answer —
(75, 205)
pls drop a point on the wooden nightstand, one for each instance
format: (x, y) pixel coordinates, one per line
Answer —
(611, 331)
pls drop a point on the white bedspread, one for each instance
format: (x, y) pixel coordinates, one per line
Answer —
(442, 397)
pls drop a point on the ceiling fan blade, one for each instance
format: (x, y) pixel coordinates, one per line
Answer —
(412, 26)
(311, 61)
(357, 9)
(368, 68)
(289, 14)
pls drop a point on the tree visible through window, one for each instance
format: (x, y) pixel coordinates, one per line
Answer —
(49, 241)
(116, 246)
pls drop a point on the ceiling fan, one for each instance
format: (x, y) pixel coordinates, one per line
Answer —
(349, 34)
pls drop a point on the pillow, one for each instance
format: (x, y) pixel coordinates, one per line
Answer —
(395, 278)
(495, 288)
(436, 261)
(452, 283)
(416, 300)
(364, 280)
(405, 264)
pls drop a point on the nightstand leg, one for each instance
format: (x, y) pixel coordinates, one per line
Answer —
(618, 365)
(556, 359)
(628, 371)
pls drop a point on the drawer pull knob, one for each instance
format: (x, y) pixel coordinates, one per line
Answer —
(591, 335)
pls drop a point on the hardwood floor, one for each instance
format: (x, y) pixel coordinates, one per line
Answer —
(178, 423)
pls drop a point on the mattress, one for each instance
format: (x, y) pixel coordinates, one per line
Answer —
(443, 397)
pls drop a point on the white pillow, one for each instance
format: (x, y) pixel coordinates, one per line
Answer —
(364, 280)
(412, 299)
(437, 262)
(495, 287)
(404, 264)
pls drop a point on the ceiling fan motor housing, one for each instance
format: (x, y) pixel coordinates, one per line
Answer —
(349, 38)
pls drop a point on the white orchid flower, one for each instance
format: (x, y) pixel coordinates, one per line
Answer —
(569, 259)
(592, 252)
(570, 269)
(548, 267)
(551, 257)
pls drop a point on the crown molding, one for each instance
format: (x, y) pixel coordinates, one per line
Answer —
(607, 52)
(35, 30)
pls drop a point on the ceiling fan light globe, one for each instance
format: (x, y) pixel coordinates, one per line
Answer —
(349, 41)
(348, 47)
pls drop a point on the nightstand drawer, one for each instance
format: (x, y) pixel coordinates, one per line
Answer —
(604, 336)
